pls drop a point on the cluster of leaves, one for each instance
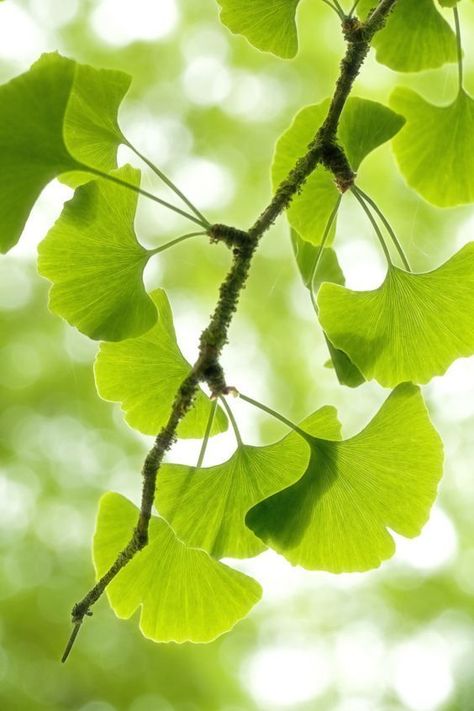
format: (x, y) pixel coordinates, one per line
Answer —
(321, 501)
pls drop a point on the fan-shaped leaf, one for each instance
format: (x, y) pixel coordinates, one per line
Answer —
(410, 328)
(227, 491)
(364, 126)
(269, 25)
(96, 264)
(144, 374)
(57, 117)
(435, 150)
(185, 595)
(416, 36)
(336, 517)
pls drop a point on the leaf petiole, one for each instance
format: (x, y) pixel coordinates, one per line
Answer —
(373, 222)
(276, 415)
(459, 47)
(169, 183)
(145, 193)
(317, 261)
(233, 421)
(163, 247)
(336, 7)
(387, 225)
(207, 434)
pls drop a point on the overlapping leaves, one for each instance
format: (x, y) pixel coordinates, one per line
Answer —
(183, 593)
(411, 328)
(317, 267)
(364, 126)
(57, 117)
(144, 374)
(227, 491)
(96, 264)
(336, 516)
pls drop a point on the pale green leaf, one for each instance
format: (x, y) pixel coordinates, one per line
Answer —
(227, 491)
(144, 374)
(184, 595)
(57, 117)
(364, 126)
(411, 328)
(416, 36)
(96, 264)
(336, 517)
(269, 25)
(328, 269)
(435, 149)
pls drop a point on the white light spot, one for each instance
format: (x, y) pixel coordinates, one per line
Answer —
(286, 676)
(206, 183)
(20, 38)
(42, 217)
(255, 98)
(53, 14)
(422, 673)
(206, 81)
(434, 548)
(120, 22)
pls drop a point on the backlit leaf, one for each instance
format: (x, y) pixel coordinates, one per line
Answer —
(411, 328)
(416, 36)
(336, 517)
(435, 149)
(269, 25)
(328, 269)
(96, 264)
(144, 374)
(227, 491)
(364, 126)
(57, 117)
(184, 595)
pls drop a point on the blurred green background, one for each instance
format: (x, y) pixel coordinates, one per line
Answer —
(207, 108)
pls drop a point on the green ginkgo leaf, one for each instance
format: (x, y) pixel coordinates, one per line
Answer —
(57, 117)
(184, 595)
(144, 374)
(269, 25)
(416, 36)
(336, 517)
(364, 126)
(435, 149)
(411, 328)
(328, 270)
(227, 491)
(96, 264)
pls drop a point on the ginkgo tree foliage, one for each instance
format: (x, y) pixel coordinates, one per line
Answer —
(320, 500)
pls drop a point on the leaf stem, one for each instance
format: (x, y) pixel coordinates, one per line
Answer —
(317, 261)
(167, 181)
(353, 8)
(459, 47)
(163, 247)
(207, 367)
(336, 7)
(148, 195)
(233, 421)
(374, 224)
(387, 225)
(207, 434)
(276, 415)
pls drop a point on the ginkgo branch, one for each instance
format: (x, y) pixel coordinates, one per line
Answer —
(324, 150)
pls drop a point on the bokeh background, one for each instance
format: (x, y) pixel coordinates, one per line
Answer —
(207, 108)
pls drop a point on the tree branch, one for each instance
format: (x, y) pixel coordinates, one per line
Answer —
(324, 150)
